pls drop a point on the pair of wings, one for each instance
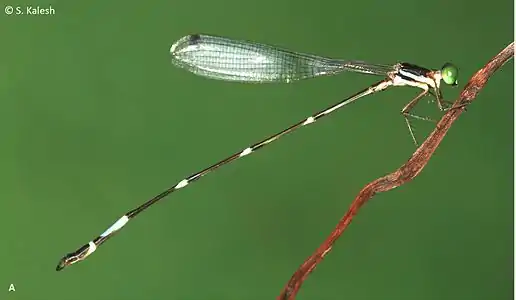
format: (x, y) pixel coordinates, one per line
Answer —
(243, 61)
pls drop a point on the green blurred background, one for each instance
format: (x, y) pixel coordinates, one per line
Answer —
(95, 120)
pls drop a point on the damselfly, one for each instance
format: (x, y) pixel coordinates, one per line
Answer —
(231, 60)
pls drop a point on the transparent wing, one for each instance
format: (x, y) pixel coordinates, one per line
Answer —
(232, 60)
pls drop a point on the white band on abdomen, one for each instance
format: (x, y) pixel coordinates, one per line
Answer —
(118, 224)
(92, 248)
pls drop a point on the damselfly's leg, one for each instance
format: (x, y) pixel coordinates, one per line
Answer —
(406, 114)
(444, 105)
(438, 97)
(448, 105)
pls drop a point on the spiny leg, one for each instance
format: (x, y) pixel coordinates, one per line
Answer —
(406, 114)
(444, 105)
(449, 106)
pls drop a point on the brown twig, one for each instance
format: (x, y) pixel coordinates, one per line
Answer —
(403, 174)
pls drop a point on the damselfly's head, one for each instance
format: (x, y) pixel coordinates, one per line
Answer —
(450, 74)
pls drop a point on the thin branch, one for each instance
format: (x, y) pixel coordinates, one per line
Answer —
(403, 174)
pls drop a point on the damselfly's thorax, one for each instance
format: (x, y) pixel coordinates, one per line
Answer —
(414, 70)
(406, 74)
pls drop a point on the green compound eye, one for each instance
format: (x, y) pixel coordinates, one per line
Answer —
(450, 74)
